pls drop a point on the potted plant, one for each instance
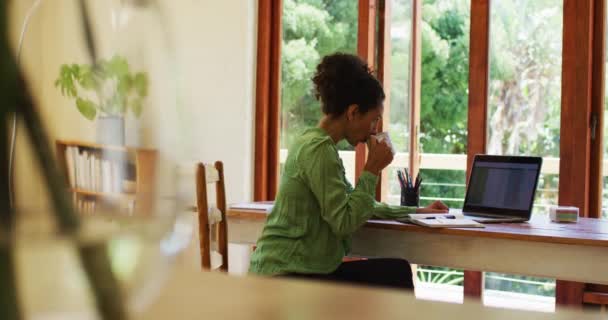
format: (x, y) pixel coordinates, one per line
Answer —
(105, 91)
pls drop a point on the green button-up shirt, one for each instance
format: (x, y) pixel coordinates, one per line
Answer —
(316, 211)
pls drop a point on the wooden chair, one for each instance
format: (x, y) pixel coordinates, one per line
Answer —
(208, 174)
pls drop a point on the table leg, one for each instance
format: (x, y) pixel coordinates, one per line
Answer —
(473, 284)
(569, 293)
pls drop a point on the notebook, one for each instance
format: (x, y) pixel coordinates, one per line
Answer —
(264, 205)
(443, 220)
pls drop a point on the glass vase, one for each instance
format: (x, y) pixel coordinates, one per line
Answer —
(85, 62)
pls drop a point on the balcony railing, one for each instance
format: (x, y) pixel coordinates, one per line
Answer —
(458, 162)
(435, 161)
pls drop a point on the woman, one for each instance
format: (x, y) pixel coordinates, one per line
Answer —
(307, 234)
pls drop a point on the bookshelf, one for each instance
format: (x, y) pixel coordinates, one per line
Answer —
(108, 176)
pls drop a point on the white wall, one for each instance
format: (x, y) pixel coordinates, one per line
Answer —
(214, 47)
(215, 43)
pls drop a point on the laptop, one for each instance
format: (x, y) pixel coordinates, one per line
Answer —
(501, 188)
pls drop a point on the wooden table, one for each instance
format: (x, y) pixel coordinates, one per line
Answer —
(573, 252)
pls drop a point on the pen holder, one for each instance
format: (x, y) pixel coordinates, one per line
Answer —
(410, 198)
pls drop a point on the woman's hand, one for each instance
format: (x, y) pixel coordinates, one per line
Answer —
(435, 207)
(380, 155)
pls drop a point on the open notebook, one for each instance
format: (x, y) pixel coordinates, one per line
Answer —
(264, 205)
(443, 220)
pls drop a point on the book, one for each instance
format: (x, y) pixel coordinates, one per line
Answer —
(70, 166)
(443, 220)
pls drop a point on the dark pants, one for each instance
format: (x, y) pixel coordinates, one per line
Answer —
(387, 273)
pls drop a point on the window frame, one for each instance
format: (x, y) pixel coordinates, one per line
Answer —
(267, 99)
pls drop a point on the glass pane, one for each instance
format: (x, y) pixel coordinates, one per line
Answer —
(397, 108)
(524, 109)
(439, 283)
(525, 85)
(444, 99)
(443, 124)
(311, 30)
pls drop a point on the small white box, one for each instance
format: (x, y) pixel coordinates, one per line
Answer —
(563, 214)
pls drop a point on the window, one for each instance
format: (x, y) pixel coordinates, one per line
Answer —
(444, 99)
(397, 108)
(525, 86)
(443, 118)
(524, 105)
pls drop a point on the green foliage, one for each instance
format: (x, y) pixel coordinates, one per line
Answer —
(87, 108)
(311, 29)
(444, 95)
(444, 80)
(115, 88)
(524, 104)
(493, 281)
(521, 284)
(440, 275)
(443, 184)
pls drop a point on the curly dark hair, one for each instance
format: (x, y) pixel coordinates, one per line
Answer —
(343, 79)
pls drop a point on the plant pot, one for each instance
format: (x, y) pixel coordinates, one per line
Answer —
(132, 130)
(111, 130)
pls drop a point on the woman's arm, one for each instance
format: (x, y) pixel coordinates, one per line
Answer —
(387, 211)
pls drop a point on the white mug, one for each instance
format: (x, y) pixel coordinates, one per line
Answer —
(383, 136)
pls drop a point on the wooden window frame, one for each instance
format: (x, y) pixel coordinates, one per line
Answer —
(366, 49)
(479, 71)
(415, 85)
(582, 97)
(267, 100)
(384, 75)
(597, 109)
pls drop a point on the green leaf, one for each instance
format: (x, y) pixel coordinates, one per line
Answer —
(87, 78)
(117, 67)
(124, 84)
(140, 82)
(87, 108)
(66, 80)
(127, 90)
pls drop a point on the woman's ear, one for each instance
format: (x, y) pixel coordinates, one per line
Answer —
(351, 112)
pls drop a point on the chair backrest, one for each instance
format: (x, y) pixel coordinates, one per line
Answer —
(211, 174)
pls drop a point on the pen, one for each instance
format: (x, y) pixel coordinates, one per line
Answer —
(401, 179)
(408, 179)
(442, 217)
(418, 182)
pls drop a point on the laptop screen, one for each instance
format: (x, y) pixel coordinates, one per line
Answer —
(503, 185)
